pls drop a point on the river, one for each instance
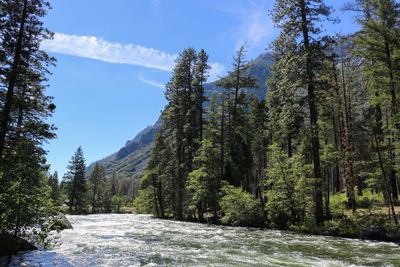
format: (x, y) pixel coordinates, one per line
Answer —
(140, 240)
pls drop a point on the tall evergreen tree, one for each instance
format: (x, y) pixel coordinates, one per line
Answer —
(379, 43)
(114, 184)
(24, 64)
(55, 188)
(97, 182)
(24, 110)
(237, 148)
(76, 182)
(299, 19)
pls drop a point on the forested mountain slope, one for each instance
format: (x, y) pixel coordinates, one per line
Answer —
(131, 160)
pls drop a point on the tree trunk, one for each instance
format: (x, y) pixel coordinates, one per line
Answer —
(318, 196)
(12, 79)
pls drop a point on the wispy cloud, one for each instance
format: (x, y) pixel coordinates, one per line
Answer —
(113, 52)
(151, 82)
(254, 27)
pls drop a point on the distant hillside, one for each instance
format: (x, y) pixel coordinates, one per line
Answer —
(131, 160)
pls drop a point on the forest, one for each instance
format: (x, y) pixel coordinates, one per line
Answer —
(320, 153)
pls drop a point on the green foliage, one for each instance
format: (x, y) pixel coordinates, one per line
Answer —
(237, 153)
(240, 208)
(290, 192)
(118, 202)
(98, 194)
(204, 181)
(24, 190)
(75, 183)
(338, 203)
(368, 199)
(24, 113)
(55, 189)
(144, 202)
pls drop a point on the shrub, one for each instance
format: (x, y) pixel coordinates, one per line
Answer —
(337, 204)
(240, 208)
(368, 199)
(117, 202)
(143, 203)
(290, 190)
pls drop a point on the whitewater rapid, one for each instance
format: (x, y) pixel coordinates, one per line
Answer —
(140, 240)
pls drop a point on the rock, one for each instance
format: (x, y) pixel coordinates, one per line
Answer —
(331, 230)
(60, 222)
(12, 245)
(374, 232)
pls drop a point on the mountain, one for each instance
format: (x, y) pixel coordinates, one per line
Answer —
(131, 160)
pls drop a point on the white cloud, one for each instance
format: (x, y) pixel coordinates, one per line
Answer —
(151, 82)
(132, 54)
(112, 52)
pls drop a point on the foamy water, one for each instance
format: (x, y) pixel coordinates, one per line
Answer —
(137, 240)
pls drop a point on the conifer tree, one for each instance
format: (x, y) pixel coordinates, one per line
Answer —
(237, 148)
(25, 65)
(55, 188)
(24, 110)
(97, 187)
(114, 184)
(76, 182)
(299, 20)
(379, 43)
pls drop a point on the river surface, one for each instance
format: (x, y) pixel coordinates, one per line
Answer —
(139, 240)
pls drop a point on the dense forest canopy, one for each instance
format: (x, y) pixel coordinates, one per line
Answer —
(320, 150)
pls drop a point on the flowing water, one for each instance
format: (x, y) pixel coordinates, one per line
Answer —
(136, 240)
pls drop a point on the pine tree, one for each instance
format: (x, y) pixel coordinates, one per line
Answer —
(237, 155)
(55, 188)
(298, 20)
(258, 136)
(97, 187)
(201, 75)
(285, 101)
(204, 181)
(76, 182)
(379, 43)
(114, 184)
(24, 109)
(25, 65)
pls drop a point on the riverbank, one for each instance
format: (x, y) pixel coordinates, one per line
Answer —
(32, 238)
(363, 225)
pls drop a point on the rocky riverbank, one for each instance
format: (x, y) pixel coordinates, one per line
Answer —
(11, 245)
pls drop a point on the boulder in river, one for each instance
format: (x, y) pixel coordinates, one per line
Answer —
(374, 232)
(60, 222)
(12, 245)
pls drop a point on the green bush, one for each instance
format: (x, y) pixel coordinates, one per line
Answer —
(143, 203)
(240, 208)
(337, 204)
(289, 190)
(117, 202)
(369, 199)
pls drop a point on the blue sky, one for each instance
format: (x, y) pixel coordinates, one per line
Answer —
(115, 56)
